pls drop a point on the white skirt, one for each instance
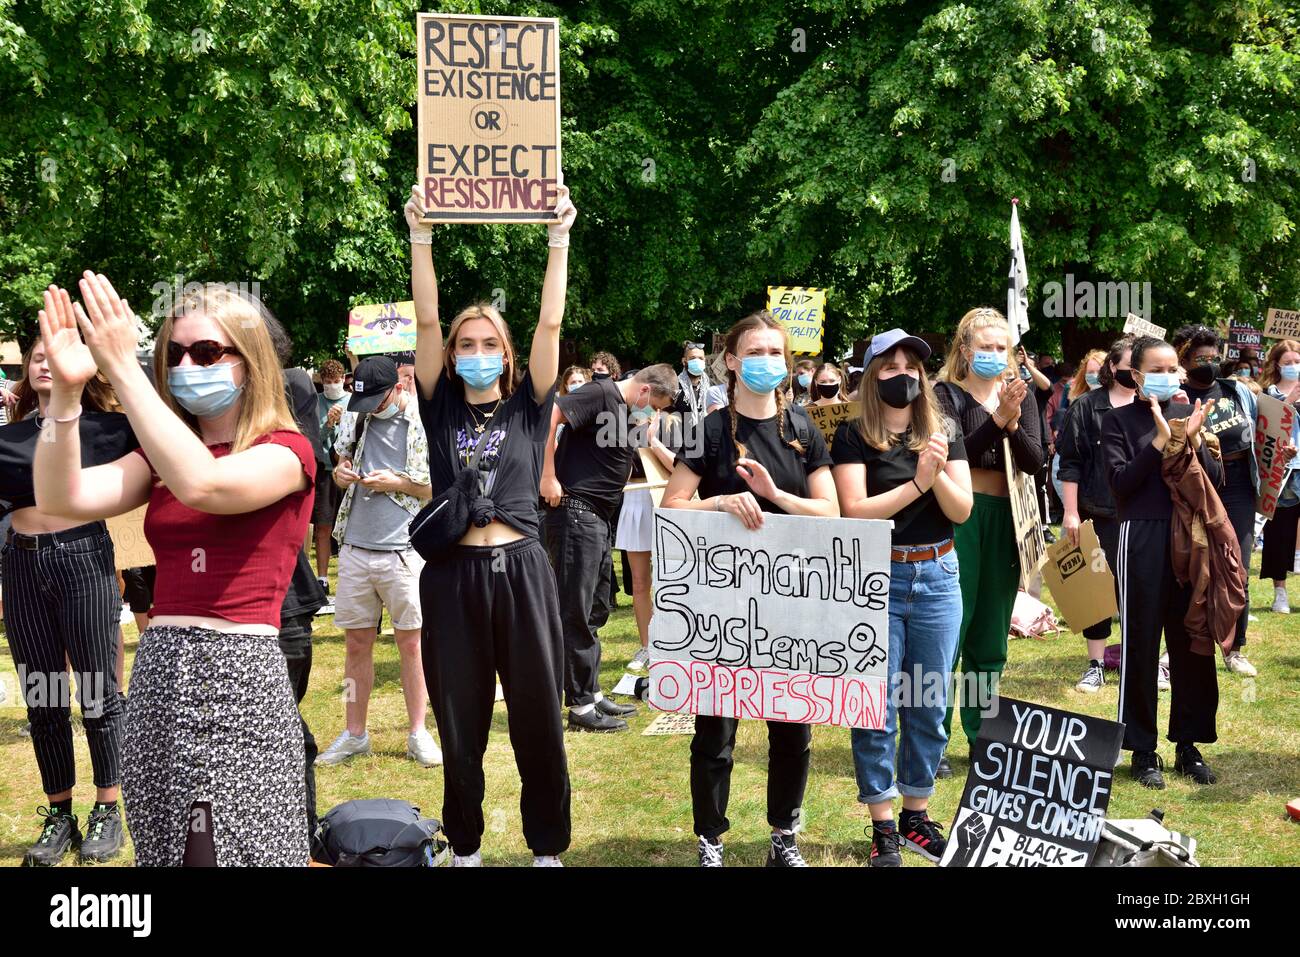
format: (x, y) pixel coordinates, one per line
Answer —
(636, 523)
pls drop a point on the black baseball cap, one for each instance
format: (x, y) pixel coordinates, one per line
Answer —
(372, 379)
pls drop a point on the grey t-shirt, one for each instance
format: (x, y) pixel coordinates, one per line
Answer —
(376, 521)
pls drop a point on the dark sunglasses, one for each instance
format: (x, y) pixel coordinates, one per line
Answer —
(694, 345)
(204, 352)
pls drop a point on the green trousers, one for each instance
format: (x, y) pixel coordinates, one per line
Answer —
(990, 577)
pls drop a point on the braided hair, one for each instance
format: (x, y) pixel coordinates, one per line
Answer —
(756, 321)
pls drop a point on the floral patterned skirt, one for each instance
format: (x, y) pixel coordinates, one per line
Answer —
(211, 717)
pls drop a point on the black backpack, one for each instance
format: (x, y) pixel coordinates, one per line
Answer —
(378, 832)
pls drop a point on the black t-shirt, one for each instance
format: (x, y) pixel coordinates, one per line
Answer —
(920, 523)
(512, 455)
(1227, 420)
(105, 437)
(595, 451)
(302, 403)
(716, 463)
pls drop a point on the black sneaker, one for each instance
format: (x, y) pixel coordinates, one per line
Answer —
(885, 844)
(1189, 763)
(614, 709)
(593, 720)
(924, 836)
(58, 836)
(1146, 767)
(710, 853)
(784, 852)
(103, 840)
(944, 769)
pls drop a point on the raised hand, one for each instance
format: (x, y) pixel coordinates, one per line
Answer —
(558, 233)
(1196, 419)
(758, 478)
(1162, 427)
(107, 323)
(1009, 398)
(71, 363)
(421, 232)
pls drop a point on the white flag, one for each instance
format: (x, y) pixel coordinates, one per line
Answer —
(1017, 284)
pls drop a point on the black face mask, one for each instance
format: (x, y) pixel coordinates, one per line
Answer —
(827, 390)
(1204, 374)
(900, 391)
(1125, 378)
(600, 375)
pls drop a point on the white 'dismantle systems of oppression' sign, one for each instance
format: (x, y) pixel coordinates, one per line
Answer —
(489, 118)
(786, 623)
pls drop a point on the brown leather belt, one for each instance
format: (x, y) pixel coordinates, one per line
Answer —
(920, 553)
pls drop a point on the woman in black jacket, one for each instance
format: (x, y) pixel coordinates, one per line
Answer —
(1085, 490)
(1151, 600)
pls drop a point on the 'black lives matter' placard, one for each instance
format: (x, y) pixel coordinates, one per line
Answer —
(1037, 790)
(489, 118)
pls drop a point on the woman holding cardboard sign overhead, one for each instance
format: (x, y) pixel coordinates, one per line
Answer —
(903, 459)
(486, 573)
(759, 454)
(982, 392)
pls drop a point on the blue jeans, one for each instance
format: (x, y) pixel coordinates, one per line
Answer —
(924, 627)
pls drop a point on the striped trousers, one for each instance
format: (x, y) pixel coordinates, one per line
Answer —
(62, 605)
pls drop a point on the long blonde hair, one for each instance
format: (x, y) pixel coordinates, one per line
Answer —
(1270, 374)
(263, 407)
(1079, 384)
(755, 321)
(482, 310)
(927, 417)
(956, 367)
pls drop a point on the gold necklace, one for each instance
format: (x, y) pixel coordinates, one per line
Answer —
(479, 427)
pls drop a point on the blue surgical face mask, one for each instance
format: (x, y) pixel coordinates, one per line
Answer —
(204, 391)
(989, 365)
(1290, 371)
(1162, 385)
(805, 379)
(480, 371)
(695, 366)
(1093, 380)
(762, 374)
(641, 413)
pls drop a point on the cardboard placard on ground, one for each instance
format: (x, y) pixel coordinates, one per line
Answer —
(1273, 425)
(382, 327)
(827, 418)
(1026, 517)
(1137, 326)
(1239, 338)
(1282, 324)
(488, 99)
(1037, 791)
(1079, 579)
(130, 549)
(788, 623)
(801, 310)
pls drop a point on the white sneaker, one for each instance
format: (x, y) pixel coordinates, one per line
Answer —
(125, 618)
(422, 749)
(639, 660)
(1162, 678)
(324, 584)
(1238, 664)
(346, 745)
(549, 860)
(1281, 604)
(1093, 680)
(470, 860)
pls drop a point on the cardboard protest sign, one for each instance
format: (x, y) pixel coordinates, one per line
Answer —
(1025, 514)
(383, 327)
(1273, 425)
(130, 549)
(1239, 338)
(717, 368)
(827, 418)
(1080, 580)
(1282, 324)
(1137, 326)
(801, 310)
(719, 343)
(671, 722)
(789, 623)
(488, 95)
(1036, 794)
(656, 479)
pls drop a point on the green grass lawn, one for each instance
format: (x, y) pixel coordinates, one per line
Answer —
(631, 797)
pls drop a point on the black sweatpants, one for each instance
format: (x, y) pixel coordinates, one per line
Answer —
(1152, 601)
(62, 605)
(789, 752)
(1277, 557)
(295, 644)
(1238, 499)
(493, 611)
(1108, 534)
(578, 543)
